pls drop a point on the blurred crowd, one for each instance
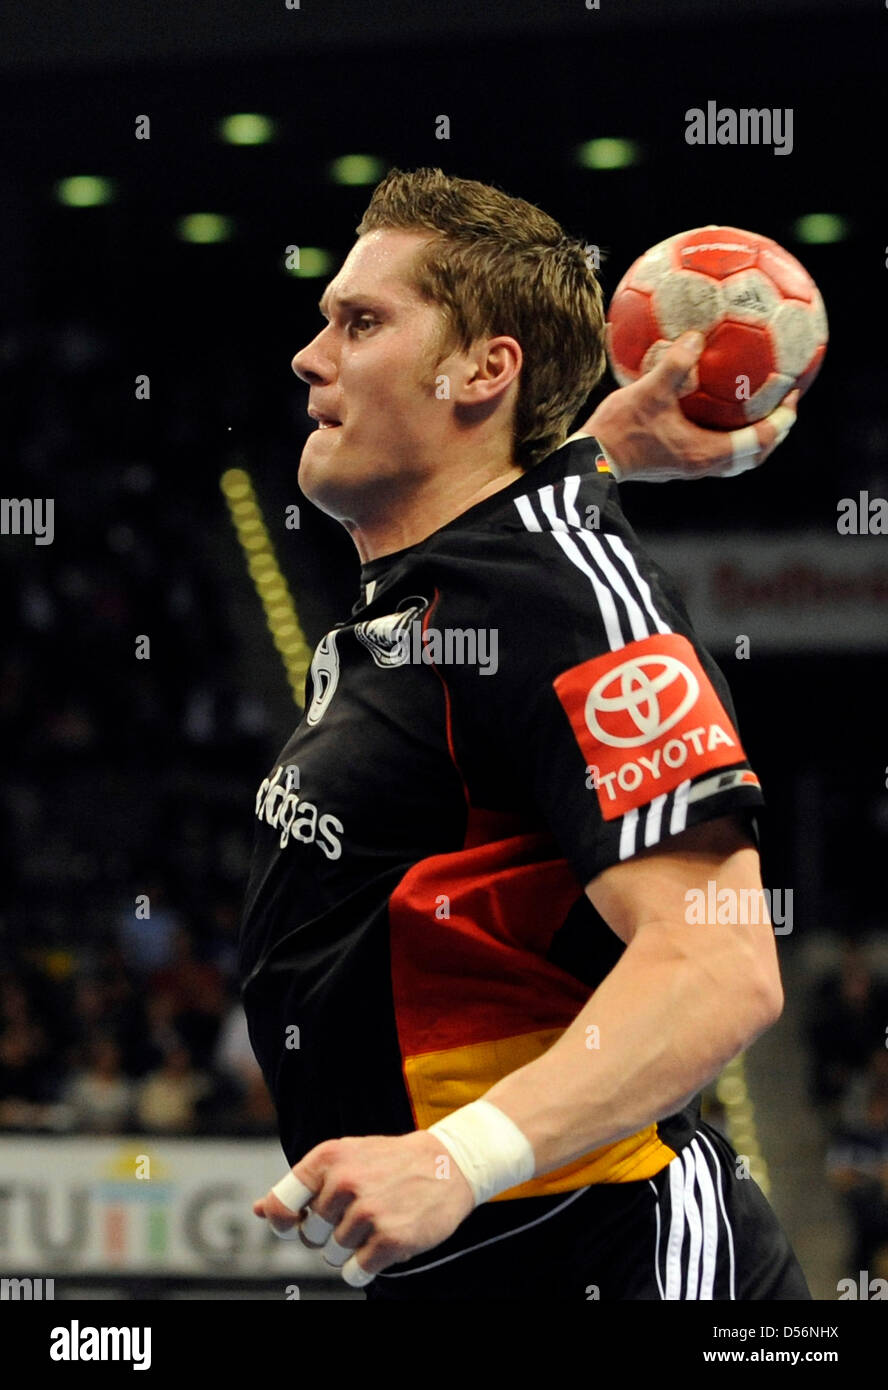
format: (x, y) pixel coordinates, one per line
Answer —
(126, 806)
(149, 1041)
(128, 787)
(847, 1032)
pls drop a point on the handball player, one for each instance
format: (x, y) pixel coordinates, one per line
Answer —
(468, 970)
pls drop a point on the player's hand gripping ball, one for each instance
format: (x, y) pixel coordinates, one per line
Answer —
(760, 312)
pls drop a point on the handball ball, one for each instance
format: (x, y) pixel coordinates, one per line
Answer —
(760, 311)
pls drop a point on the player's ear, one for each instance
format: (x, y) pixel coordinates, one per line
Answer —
(497, 362)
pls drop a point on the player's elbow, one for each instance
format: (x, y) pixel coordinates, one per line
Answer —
(757, 971)
(763, 996)
(744, 1014)
(772, 1002)
(747, 996)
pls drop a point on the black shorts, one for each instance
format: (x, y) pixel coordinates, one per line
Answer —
(698, 1230)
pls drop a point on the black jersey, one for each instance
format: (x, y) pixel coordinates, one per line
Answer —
(515, 703)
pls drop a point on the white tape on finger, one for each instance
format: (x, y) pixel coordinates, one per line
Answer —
(292, 1193)
(284, 1232)
(746, 448)
(747, 445)
(783, 419)
(336, 1254)
(353, 1274)
(316, 1229)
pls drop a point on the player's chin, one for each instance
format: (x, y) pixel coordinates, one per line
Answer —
(316, 452)
(323, 476)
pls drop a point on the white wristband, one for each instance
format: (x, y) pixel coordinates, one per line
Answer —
(489, 1148)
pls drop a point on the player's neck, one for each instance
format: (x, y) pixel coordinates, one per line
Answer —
(407, 520)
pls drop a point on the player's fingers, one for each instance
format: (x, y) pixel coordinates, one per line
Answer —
(293, 1196)
(286, 1228)
(355, 1275)
(315, 1230)
(675, 374)
(746, 451)
(292, 1193)
(753, 444)
(336, 1254)
(776, 426)
(769, 434)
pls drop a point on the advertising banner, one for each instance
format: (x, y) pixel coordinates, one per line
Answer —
(142, 1206)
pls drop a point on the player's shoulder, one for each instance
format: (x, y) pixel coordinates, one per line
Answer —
(553, 552)
(520, 530)
(571, 490)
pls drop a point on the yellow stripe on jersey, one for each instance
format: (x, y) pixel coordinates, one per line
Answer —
(440, 1082)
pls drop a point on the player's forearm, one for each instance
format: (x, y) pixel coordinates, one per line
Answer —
(658, 1028)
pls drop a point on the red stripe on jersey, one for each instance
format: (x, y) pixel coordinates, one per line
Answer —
(456, 982)
(448, 709)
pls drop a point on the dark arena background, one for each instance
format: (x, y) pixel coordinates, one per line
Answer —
(177, 186)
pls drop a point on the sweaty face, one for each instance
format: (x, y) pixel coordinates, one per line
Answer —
(371, 369)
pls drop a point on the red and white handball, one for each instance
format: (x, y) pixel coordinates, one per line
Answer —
(760, 312)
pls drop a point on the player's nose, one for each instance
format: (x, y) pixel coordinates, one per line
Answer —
(312, 365)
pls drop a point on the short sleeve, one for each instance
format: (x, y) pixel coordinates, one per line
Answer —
(605, 716)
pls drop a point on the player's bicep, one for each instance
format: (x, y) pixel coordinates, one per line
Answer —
(659, 885)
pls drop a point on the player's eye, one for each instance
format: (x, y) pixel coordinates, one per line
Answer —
(362, 319)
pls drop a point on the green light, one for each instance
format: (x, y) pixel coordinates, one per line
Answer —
(204, 228)
(608, 153)
(246, 128)
(314, 262)
(357, 169)
(84, 191)
(820, 228)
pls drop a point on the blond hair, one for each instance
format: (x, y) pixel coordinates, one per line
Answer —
(498, 265)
